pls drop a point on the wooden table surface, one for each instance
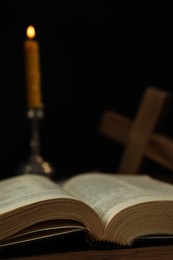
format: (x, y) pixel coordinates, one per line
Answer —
(155, 252)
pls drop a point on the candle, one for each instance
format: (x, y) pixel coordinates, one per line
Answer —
(32, 66)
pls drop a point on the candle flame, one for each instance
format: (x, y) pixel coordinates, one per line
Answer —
(30, 32)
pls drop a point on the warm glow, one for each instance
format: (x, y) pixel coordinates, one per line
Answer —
(30, 32)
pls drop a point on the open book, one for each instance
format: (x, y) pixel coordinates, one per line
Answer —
(109, 207)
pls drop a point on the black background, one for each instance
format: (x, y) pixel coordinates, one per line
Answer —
(95, 55)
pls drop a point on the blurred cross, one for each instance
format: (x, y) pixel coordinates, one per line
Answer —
(138, 137)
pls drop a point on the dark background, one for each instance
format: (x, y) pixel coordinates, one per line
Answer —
(95, 55)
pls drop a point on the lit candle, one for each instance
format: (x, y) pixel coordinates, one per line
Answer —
(32, 66)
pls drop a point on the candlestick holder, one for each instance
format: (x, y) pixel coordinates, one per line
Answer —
(36, 164)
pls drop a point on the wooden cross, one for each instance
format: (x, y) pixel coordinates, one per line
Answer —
(138, 137)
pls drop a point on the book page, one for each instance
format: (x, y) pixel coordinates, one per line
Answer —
(109, 193)
(22, 190)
